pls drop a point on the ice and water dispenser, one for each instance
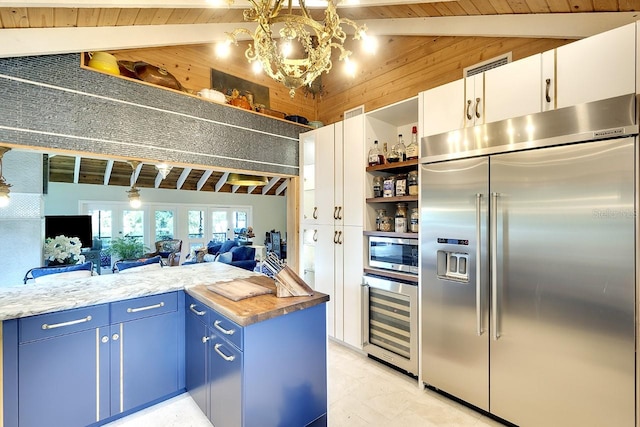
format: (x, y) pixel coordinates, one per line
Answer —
(453, 266)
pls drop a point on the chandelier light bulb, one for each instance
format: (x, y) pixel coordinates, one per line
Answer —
(257, 67)
(369, 43)
(286, 49)
(350, 67)
(223, 49)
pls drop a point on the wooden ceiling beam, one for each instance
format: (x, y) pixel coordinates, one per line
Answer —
(221, 181)
(270, 184)
(31, 41)
(183, 177)
(203, 179)
(282, 187)
(107, 172)
(76, 169)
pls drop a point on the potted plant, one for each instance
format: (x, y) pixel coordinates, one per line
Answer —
(127, 248)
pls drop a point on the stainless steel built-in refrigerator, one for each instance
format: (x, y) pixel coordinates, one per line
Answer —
(528, 235)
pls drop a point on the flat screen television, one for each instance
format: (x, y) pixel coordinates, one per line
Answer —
(70, 226)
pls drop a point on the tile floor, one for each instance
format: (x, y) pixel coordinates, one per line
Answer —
(362, 392)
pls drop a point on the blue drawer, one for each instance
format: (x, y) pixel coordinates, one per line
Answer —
(227, 329)
(138, 308)
(63, 322)
(198, 309)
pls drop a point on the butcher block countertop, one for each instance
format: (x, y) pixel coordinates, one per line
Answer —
(257, 308)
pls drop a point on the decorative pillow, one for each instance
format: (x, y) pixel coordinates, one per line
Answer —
(243, 253)
(123, 265)
(142, 268)
(227, 245)
(39, 272)
(226, 257)
(213, 248)
(208, 258)
(67, 275)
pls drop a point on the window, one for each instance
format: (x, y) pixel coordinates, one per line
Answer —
(133, 224)
(195, 224)
(164, 225)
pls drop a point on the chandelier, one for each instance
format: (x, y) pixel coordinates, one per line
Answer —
(290, 46)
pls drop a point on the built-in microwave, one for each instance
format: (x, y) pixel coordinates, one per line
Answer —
(391, 253)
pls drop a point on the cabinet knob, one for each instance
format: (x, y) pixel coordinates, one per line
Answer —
(105, 339)
(478, 107)
(115, 337)
(205, 339)
(469, 102)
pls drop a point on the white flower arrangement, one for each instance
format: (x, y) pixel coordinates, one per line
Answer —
(63, 250)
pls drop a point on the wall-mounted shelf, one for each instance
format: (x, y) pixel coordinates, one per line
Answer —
(392, 199)
(396, 167)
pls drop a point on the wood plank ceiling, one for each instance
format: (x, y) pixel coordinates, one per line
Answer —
(48, 17)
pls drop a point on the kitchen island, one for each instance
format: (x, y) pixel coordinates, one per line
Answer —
(88, 351)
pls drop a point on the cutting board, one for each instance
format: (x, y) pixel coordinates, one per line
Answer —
(237, 290)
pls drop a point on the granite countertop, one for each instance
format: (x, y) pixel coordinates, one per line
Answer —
(257, 308)
(30, 299)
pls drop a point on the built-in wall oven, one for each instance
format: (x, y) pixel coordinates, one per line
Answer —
(393, 253)
(390, 321)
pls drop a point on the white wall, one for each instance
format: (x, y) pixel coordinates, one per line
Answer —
(269, 212)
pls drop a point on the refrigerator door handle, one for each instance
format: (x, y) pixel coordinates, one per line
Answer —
(479, 330)
(494, 266)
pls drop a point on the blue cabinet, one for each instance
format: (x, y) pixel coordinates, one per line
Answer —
(62, 368)
(271, 373)
(196, 337)
(84, 366)
(147, 350)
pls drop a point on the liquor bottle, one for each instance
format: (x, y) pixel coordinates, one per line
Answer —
(412, 149)
(375, 157)
(400, 150)
(385, 152)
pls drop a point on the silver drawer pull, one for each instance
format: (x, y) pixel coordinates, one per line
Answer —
(149, 307)
(216, 324)
(63, 324)
(224, 356)
(192, 307)
(205, 339)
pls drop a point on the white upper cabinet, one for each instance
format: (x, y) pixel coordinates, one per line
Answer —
(598, 67)
(513, 90)
(548, 87)
(443, 108)
(474, 100)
